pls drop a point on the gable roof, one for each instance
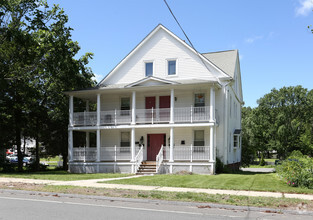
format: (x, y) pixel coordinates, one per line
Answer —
(157, 28)
(151, 78)
(225, 60)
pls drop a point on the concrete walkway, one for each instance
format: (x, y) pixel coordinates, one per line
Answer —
(95, 183)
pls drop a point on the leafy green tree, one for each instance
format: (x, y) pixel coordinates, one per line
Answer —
(37, 65)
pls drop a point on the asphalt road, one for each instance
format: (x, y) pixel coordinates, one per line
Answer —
(45, 206)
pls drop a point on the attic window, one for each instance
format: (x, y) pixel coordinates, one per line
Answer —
(171, 67)
(149, 69)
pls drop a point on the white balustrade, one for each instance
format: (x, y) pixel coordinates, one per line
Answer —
(146, 116)
(138, 159)
(159, 159)
(188, 153)
(84, 154)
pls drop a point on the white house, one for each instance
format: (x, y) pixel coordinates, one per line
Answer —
(164, 108)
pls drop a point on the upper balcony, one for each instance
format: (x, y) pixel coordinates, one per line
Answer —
(143, 116)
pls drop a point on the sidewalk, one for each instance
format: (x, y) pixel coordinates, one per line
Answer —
(94, 183)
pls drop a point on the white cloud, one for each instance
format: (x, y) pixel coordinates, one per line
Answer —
(305, 8)
(251, 40)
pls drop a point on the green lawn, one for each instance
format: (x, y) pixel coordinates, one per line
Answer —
(241, 181)
(61, 175)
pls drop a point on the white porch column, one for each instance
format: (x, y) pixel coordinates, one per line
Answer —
(70, 145)
(134, 107)
(87, 139)
(87, 132)
(212, 159)
(132, 145)
(212, 105)
(98, 109)
(71, 110)
(171, 145)
(98, 144)
(172, 106)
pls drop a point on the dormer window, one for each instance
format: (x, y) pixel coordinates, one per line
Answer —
(149, 69)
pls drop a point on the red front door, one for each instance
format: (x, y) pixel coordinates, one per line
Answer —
(155, 142)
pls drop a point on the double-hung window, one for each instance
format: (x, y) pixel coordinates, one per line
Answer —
(171, 67)
(149, 68)
(125, 142)
(125, 105)
(198, 141)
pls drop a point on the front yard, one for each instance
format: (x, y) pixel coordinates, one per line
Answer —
(241, 181)
(61, 175)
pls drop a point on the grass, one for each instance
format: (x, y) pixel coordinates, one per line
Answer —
(61, 175)
(241, 181)
(278, 203)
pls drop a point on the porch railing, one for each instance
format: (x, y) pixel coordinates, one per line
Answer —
(84, 154)
(114, 153)
(188, 153)
(150, 116)
(159, 159)
(138, 159)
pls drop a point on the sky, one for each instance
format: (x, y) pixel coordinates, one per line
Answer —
(272, 36)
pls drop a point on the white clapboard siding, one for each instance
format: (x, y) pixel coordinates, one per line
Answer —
(160, 47)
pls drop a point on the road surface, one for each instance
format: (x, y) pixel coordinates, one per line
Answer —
(46, 206)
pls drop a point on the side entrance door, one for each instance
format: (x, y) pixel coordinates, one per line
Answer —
(155, 142)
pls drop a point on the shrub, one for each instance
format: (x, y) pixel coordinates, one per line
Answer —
(297, 170)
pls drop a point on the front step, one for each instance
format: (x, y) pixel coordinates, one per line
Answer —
(147, 167)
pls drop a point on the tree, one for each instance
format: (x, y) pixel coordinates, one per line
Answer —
(37, 65)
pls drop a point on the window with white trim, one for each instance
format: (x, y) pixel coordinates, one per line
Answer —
(125, 105)
(171, 69)
(149, 68)
(198, 141)
(125, 142)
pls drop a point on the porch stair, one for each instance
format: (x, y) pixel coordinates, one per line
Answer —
(147, 167)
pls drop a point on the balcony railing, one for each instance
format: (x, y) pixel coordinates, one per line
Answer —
(143, 116)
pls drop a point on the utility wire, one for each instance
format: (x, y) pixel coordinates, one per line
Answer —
(190, 41)
(179, 24)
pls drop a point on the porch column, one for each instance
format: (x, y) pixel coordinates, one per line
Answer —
(87, 132)
(171, 145)
(98, 109)
(134, 107)
(211, 156)
(87, 139)
(212, 105)
(70, 145)
(71, 110)
(132, 145)
(98, 144)
(172, 106)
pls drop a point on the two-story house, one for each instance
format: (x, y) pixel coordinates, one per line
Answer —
(164, 108)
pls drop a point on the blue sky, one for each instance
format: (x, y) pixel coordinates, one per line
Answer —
(274, 43)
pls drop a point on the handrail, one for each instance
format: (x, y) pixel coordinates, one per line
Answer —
(159, 159)
(138, 159)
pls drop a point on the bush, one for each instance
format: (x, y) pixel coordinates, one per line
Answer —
(297, 170)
